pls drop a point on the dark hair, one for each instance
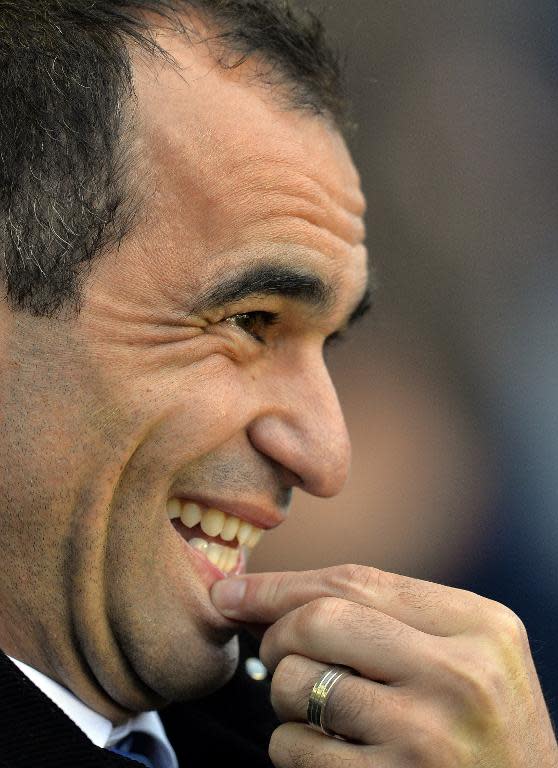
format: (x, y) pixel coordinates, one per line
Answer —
(66, 85)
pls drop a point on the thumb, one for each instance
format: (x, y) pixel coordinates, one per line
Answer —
(261, 598)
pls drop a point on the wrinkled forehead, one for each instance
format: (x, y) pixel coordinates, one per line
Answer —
(236, 164)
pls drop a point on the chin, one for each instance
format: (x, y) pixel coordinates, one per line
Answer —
(202, 669)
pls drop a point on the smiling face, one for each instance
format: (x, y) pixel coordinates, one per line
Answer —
(194, 372)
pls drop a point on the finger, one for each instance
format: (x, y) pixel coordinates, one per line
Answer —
(360, 710)
(432, 608)
(380, 647)
(294, 745)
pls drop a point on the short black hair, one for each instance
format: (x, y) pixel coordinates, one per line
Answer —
(66, 85)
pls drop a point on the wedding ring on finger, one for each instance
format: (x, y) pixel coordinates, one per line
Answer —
(319, 697)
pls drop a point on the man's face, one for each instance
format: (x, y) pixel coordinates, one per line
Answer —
(195, 371)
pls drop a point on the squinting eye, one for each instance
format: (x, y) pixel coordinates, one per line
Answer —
(255, 324)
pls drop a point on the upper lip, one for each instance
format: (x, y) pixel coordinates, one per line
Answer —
(257, 515)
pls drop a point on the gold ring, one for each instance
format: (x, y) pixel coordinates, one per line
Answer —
(319, 695)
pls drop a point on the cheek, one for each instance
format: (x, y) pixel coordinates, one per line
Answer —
(46, 441)
(176, 410)
(205, 413)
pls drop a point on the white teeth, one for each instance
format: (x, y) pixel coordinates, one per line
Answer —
(223, 561)
(255, 537)
(191, 514)
(230, 528)
(223, 558)
(173, 509)
(212, 522)
(219, 558)
(199, 544)
(244, 531)
(229, 560)
(214, 553)
(233, 560)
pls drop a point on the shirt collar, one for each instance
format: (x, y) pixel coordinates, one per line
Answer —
(99, 730)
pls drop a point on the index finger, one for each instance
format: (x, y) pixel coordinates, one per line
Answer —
(262, 598)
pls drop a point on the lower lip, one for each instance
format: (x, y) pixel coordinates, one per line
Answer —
(208, 572)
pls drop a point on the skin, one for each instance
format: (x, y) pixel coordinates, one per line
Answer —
(445, 678)
(106, 416)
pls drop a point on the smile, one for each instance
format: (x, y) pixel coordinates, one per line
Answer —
(213, 533)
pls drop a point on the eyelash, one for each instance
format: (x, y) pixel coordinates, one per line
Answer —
(271, 318)
(267, 319)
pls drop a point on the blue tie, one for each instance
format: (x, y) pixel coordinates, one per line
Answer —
(139, 746)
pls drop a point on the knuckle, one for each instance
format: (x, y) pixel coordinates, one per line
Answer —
(286, 673)
(508, 639)
(280, 748)
(288, 750)
(365, 578)
(321, 613)
(289, 689)
(509, 626)
(268, 644)
(498, 615)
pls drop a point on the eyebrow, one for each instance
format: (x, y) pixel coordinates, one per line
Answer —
(273, 280)
(266, 280)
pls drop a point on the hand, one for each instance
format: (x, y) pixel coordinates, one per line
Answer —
(446, 677)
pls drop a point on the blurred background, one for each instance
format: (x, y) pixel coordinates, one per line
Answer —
(450, 387)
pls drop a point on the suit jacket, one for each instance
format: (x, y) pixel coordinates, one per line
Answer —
(236, 722)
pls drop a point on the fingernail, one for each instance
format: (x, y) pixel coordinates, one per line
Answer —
(227, 595)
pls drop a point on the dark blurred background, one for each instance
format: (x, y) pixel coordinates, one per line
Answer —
(450, 388)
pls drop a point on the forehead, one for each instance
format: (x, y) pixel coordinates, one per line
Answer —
(235, 173)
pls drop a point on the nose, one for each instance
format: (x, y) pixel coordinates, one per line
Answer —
(302, 427)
